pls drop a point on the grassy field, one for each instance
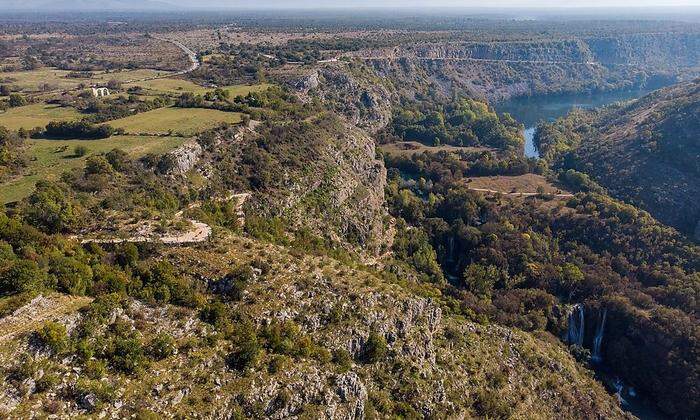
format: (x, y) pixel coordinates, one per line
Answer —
(186, 122)
(170, 86)
(176, 86)
(244, 89)
(34, 80)
(409, 148)
(36, 115)
(50, 158)
(527, 183)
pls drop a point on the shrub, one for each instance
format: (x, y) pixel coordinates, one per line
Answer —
(17, 100)
(343, 359)
(80, 151)
(53, 336)
(95, 369)
(47, 382)
(22, 276)
(375, 348)
(214, 313)
(248, 347)
(162, 346)
(70, 275)
(127, 355)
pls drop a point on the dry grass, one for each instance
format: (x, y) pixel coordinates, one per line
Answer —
(186, 122)
(409, 148)
(36, 115)
(526, 184)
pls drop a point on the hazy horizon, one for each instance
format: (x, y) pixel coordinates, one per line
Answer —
(637, 5)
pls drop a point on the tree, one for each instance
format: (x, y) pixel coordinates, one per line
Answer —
(22, 276)
(114, 85)
(50, 209)
(17, 100)
(70, 275)
(480, 279)
(375, 348)
(5, 90)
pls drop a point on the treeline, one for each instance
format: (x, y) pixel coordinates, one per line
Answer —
(463, 122)
(83, 130)
(118, 107)
(12, 158)
(450, 166)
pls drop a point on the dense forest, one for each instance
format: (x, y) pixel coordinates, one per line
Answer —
(520, 261)
(645, 152)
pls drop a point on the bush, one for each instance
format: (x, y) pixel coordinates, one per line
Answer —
(70, 275)
(248, 348)
(343, 359)
(22, 276)
(53, 336)
(375, 348)
(162, 346)
(95, 369)
(80, 151)
(127, 355)
(17, 100)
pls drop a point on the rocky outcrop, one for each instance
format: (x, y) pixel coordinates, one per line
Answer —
(366, 103)
(184, 158)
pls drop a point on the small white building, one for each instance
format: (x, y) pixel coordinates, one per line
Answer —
(100, 92)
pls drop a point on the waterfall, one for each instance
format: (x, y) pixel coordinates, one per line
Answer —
(598, 340)
(451, 248)
(576, 325)
(619, 388)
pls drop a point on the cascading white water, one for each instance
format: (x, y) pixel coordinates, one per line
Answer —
(451, 248)
(576, 325)
(598, 339)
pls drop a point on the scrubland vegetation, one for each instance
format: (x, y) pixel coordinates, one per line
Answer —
(351, 268)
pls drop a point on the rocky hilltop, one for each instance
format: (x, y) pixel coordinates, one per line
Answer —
(349, 345)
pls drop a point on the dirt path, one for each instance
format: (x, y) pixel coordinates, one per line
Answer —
(39, 310)
(520, 194)
(200, 231)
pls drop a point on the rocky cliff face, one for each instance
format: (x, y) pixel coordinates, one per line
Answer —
(501, 70)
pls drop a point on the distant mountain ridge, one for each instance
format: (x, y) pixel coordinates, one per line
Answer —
(87, 5)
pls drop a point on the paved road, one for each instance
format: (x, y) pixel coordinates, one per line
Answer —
(194, 61)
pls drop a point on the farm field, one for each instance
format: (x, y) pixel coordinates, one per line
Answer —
(50, 158)
(169, 86)
(526, 184)
(177, 86)
(408, 148)
(185, 122)
(36, 81)
(36, 115)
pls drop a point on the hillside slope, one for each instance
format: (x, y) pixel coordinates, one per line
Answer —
(404, 355)
(645, 152)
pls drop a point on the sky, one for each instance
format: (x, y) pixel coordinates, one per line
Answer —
(435, 3)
